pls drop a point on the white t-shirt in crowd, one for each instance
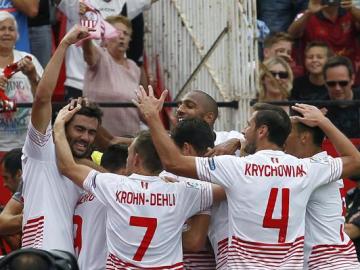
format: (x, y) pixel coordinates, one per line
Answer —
(13, 126)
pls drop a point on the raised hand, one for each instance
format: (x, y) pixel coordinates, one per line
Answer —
(312, 116)
(148, 104)
(315, 6)
(75, 34)
(27, 67)
(64, 115)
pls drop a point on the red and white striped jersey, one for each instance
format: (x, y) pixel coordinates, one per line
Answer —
(203, 259)
(327, 246)
(49, 198)
(145, 217)
(219, 225)
(219, 233)
(267, 194)
(90, 233)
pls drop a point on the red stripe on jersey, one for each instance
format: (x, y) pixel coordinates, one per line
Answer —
(37, 137)
(222, 254)
(202, 260)
(333, 256)
(254, 255)
(33, 233)
(114, 263)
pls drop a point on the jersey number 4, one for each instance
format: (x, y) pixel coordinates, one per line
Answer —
(150, 224)
(281, 223)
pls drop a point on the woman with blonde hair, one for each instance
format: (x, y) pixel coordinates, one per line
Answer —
(276, 80)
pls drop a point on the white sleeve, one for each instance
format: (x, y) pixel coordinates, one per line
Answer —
(102, 185)
(39, 146)
(324, 170)
(198, 196)
(135, 7)
(220, 170)
(71, 10)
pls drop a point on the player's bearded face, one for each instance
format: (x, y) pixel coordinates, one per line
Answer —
(80, 133)
(250, 136)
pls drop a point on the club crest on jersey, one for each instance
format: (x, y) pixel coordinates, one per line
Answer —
(211, 164)
(322, 160)
(192, 184)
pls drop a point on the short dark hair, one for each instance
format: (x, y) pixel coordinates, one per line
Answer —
(114, 158)
(144, 146)
(317, 134)
(12, 161)
(92, 110)
(321, 44)
(336, 61)
(274, 38)
(276, 120)
(196, 132)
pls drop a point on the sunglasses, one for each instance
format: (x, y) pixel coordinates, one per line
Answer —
(280, 74)
(334, 83)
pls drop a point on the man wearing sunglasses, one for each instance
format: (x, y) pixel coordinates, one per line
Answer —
(339, 79)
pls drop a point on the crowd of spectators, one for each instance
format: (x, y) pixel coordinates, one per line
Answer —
(312, 53)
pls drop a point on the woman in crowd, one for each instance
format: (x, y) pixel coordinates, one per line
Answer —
(276, 80)
(20, 87)
(111, 77)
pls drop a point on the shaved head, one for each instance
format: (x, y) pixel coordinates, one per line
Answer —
(199, 104)
(207, 102)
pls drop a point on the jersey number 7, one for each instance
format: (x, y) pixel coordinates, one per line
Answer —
(281, 223)
(150, 224)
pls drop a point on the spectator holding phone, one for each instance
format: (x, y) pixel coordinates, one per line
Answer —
(335, 22)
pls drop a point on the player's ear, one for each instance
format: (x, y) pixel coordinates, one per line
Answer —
(209, 118)
(263, 131)
(186, 149)
(305, 137)
(18, 174)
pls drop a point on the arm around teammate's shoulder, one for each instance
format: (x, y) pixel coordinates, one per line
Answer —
(65, 160)
(350, 156)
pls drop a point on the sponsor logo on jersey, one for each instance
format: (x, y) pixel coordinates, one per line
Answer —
(211, 164)
(322, 160)
(193, 184)
(93, 181)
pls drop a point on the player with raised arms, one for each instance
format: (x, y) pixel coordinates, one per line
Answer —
(144, 214)
(267, 235)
